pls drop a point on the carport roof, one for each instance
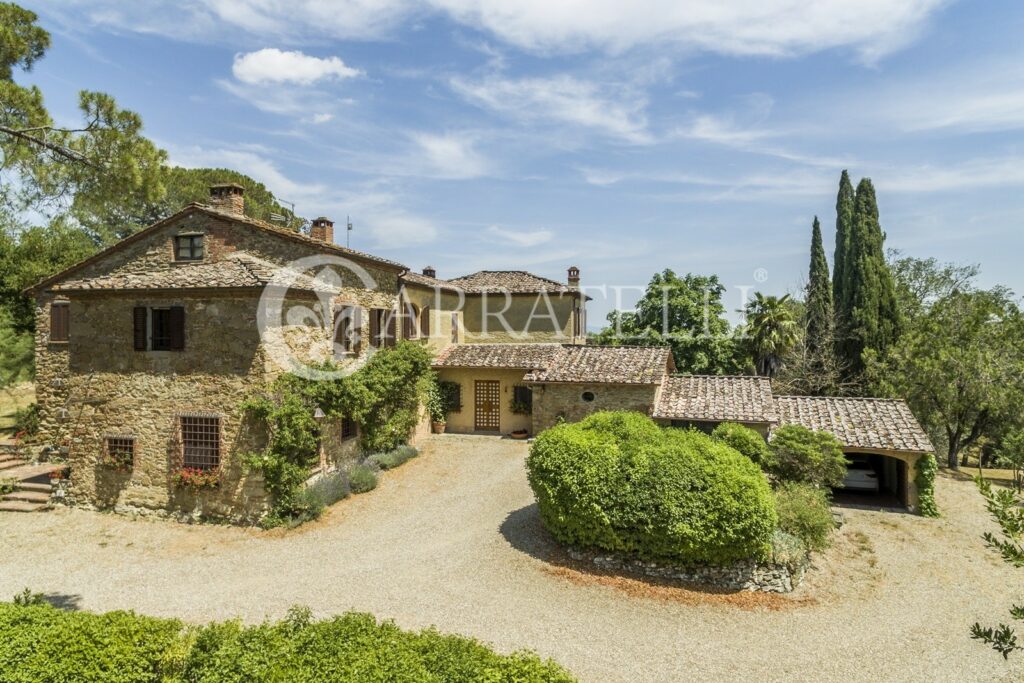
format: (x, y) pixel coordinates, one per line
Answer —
(717, 398)
(868, 423)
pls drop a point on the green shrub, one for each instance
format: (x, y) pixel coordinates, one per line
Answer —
(804, 512)
(798, 454)
(362, 478)
(40, 644)
(788, 550)
(619, 482)
(743, 439)
(925, 481)
(26, 421)
(392, 459)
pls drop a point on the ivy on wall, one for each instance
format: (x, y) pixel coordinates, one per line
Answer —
(384, 397)
(925, 480)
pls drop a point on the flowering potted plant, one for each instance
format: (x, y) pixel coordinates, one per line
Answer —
(196, 478)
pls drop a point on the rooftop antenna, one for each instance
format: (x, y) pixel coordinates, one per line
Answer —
(348, 232)
(278, 218)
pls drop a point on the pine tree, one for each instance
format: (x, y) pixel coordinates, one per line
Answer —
(873, 322)
(840, 264)
(819, 296)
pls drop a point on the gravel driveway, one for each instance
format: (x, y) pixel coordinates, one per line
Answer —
(452, 539)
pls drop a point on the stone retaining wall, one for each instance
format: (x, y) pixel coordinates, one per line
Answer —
(740, 576)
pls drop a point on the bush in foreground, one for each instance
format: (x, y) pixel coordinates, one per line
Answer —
(362, 478)
(618, 482)
(743, 439)
(804, 512)
(800, 454)
(40, 644)
(389, 460)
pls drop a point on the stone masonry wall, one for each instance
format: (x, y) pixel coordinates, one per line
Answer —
(552, 402)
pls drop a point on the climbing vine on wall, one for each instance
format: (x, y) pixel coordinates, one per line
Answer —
(925, 480)
(384, 397)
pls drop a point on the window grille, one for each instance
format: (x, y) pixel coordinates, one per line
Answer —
(348, 428)
(523, 396)
(119, 452)
(200, 441)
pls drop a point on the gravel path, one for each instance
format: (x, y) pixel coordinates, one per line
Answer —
(452, 539)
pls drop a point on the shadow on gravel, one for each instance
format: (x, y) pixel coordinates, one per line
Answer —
(525, 532)
(68, 603)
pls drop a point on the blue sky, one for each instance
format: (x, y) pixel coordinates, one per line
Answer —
(623, 137)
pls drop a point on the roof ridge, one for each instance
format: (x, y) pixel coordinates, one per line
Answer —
(843, 398)
(683, 374)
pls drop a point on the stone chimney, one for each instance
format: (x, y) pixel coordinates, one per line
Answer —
(323, 230)
(228, 197)
(574, 277)
(429, 271)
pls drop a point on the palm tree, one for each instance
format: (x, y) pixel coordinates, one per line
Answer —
(772, 331)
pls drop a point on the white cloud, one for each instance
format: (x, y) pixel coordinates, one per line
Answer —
(769, 27)
(271, 65)
(452, 155)
(521, 238)
(322, 118)
(966, 175)
(563, 99)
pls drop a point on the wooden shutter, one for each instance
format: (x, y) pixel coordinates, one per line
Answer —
(392, 329)
(357, 330)
(425, 322)
(455, 328)
(177, 325)
(59, 321)
(409, 322)
(375, 314)
(139, 315)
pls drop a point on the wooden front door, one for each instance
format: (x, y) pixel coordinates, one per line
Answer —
(487, 405)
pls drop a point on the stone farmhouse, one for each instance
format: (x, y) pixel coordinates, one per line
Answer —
(146, 350)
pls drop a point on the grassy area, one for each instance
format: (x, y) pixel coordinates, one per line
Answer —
(13, 399)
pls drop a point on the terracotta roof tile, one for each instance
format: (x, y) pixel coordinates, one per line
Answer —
(871, 423)
(510, 356)
(515, 281)
(716, 398)
(605, 364)
(239, 270)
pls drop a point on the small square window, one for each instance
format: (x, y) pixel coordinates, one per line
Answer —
(119, 453)
(188, 247)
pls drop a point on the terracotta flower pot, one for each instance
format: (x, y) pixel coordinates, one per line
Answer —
(438, 427)
(519, 434)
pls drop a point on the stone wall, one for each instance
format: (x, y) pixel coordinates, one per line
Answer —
(552, 402)
(746, 575)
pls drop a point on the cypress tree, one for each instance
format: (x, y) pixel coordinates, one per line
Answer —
(841, 261)
(819, 295)
(874, 319)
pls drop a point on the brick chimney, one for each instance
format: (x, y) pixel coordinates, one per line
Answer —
(574, 277)
(429, 271)
(323, 230)
(228, 197)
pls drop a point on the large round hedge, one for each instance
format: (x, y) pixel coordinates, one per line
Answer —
(618, 482)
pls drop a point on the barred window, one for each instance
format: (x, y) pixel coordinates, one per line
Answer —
(200, 441)
(349, 430)
(119, 452)
(523, 396)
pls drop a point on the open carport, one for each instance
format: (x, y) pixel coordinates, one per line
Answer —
(880, 437)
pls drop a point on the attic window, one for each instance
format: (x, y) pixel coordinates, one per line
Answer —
(188, 247)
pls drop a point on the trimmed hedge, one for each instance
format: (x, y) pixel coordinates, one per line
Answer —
(925, 481)
(618, 482)
(40, 644)
(803, 455)
(743, 439)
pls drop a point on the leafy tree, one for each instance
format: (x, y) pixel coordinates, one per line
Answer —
(1007, 510)
(871, 311)
(1011, 454)
(685, 313)
(43, 164)
(818, 311)
(922, 282)
(771, 331)
(840, 263)
(15, 352)
(119, 217)
(960, 365)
